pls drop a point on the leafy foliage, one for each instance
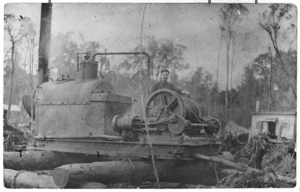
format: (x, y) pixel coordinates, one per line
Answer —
(164, 53)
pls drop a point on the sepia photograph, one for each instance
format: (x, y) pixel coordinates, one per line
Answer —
(149, 95)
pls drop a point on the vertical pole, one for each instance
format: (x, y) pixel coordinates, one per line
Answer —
(270, 88)
(44, 44)
(77, 61)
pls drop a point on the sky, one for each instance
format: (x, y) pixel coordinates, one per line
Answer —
(117, 28)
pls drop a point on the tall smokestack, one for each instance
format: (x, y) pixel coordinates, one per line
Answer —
(44, 45)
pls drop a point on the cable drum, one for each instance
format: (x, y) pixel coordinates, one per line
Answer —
(192, 110)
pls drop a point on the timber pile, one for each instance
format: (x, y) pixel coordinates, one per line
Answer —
(277, 157)
(281, 158)
(105, 174)
(44, 160)
(262, 162)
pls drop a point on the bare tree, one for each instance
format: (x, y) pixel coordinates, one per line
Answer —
(271, 24)
(13, 36)
(230, 14)
(271, 87)
(31, 60)
(219, 53)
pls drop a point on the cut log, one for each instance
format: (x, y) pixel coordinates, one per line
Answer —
(239, 167)
(43, 160)
(93, 185)
(235, 131)
(136, 172)
(108, 172)
(31, 160)
(60, 177)
(40, 179)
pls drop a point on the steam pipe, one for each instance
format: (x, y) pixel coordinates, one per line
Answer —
(44, 44)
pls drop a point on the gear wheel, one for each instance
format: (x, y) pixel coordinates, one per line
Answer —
(165, 102)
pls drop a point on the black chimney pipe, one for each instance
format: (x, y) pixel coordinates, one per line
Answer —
(44, 45)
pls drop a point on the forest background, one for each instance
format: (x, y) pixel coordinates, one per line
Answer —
(270, 77)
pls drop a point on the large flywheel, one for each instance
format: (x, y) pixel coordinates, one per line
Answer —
(163, 103)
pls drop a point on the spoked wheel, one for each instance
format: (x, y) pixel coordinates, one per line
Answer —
(163, 103)
(216, 125)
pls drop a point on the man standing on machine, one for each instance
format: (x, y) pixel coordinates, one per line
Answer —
(164, 84)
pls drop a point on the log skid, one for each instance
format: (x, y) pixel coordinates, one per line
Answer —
(28, 179)
(93, 185)
(44, 160)
(137, 172)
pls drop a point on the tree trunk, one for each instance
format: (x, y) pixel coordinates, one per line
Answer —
(31, 160)
(43, 160)
(232, 63)
(217, 85)
(11, 77)
(227, 72)
(41, 179)
(270, 88)
(285, 70)
(31, 64)
(231, 71)
(219, 53)
(238, 166)
(136, 172)
(93, 185)
(109, 172)
(30, 71)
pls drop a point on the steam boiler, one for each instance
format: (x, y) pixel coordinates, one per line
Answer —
(87, 116)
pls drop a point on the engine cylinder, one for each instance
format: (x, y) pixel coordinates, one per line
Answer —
(87, 70)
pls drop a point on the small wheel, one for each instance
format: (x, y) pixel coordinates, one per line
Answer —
(215, 124)
(177, 125)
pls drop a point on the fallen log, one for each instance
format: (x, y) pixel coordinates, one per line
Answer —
(41, 179)
(107, 172)
(240, 167)
(93, 185)
(236, 132)
(137, 172)
(43, 160)
(237, 166)
(31, 160)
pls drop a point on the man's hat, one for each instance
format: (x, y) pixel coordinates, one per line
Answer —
(164, 70)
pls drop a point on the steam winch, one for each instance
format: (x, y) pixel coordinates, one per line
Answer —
(167, 113)
(87, 116)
